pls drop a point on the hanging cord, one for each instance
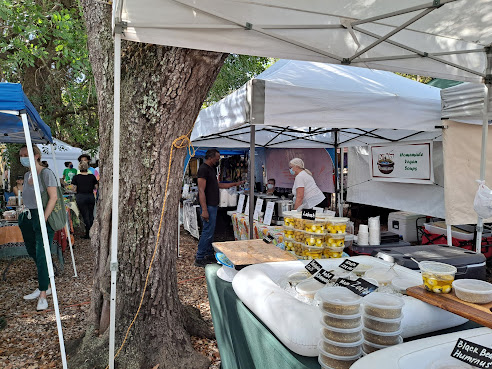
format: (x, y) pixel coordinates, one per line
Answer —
(178, 143)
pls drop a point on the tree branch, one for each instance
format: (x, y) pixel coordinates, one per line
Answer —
(69, 111)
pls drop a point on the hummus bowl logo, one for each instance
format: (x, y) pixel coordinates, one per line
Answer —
(385, 163)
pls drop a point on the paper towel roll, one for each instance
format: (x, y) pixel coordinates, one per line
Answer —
(363, 235)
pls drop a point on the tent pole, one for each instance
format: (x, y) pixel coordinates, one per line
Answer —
(340, 204)
(44, 233)
(251, 180)
(336, 171)
(116, 190)
(485, 132)
(67, 226)
(449, 235)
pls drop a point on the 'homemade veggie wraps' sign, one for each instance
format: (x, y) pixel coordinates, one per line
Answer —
(405, 162)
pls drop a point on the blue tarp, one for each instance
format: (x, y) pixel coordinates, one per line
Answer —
(12, 98)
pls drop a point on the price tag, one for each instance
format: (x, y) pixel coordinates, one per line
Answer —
(362, 287)
(259, 204)
(240, 203)
(308, 214)
(472, 353)
(324, 276)
(268, 239)
(348, 265)
(313, 267)
(267, 219)
(342, 282)
(246, 211)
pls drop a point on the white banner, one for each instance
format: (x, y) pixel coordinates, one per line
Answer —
(402, 162)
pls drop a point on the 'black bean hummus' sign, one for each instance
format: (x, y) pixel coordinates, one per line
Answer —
(472, 353)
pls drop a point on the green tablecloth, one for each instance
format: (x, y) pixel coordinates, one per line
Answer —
(243, 340)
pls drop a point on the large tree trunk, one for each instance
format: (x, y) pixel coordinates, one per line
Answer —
(162, 91)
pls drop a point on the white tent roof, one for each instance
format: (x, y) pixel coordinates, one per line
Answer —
(440, 38)
(62, 150)
(464, 103)
(368, 106)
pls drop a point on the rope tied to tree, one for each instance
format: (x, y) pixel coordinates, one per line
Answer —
(178, 143)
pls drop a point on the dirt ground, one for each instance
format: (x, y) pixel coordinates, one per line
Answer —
(30, 339)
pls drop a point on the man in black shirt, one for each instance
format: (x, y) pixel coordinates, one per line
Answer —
(208, 195)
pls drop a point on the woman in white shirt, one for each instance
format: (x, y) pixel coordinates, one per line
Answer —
(306, 193)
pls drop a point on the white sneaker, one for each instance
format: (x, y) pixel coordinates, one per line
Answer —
(42, 304)
(36, 294)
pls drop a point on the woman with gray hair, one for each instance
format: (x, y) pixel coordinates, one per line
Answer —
(306, 193)
(84, 184)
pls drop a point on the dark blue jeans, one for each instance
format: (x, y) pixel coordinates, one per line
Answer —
(207, 237)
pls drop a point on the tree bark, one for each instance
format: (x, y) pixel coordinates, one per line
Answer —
(162, 89)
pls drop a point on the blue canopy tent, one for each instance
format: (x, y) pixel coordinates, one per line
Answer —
(20, 123)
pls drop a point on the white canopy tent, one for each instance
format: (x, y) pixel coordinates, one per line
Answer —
(64, 152)
(441, 38)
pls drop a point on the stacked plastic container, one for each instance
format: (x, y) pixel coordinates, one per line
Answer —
(335, 237)
(382, 321)
(341, 332)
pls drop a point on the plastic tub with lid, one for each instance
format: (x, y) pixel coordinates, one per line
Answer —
(381, 324)
(382, 275)
(339, 348)
(473, 290)
(312, 252)
(382, 338)
(383, 305)
(339, 334)
(338, 300)
(289, 217)
(337, 225)
(368, 347)
(437, 277)
(329, 361)
(335, 239)
(309, 287)
(314, 239)
(315, 226)
(333, 252)
(342, 321)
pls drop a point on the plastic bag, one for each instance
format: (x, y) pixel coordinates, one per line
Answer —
(483, 201)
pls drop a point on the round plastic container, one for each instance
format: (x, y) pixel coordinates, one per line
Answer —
(314, 239)
(289, 232)
(382, 325)
(400, 284)
(289, 218)
(329, 361)
(342, 321)
(340, 348)
(382, 338)
(335, 239)
(341, 335)
(299, 235)
(297, 248)
(338, 300)
(383, 305)
(299, 223)
(315, 226)
(448, 363)
(382, 275)
(337, 225)
(309, 287)
(361, 269)
(289, 244)
(473, 290)
(312, 252)
(333, 252)
(437, 277)
(368, 347)
(294, 278)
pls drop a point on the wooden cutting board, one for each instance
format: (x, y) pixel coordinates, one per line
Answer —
(252, 252)
(479, 313)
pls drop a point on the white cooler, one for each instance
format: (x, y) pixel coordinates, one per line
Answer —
(405, 224)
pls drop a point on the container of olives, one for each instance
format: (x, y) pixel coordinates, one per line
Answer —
(340, 348)
(335, 239)
(289, 217)
(383, 305)
(337, 225)
(299, 223)
(437, 277)
(314, 239)
(315, 226)
(299, 235)
(296, 248)
(312, 252)
(333, 252)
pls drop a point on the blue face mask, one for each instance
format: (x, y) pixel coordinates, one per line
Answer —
(25, 162)
(292, 171)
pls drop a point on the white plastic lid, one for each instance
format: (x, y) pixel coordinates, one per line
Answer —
(383, 300)
(384, 320)
(340, 330)
(336, 357)
(473, 285)
(338, 296)
(339, 344)
(385, 334)
(375, 345)
(338, 316)
(309, 286)
(437, 268)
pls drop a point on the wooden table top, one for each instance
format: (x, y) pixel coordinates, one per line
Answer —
(252, 252)
(479, 313)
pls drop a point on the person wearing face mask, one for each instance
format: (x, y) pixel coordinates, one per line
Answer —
(68, 173)
(270, 188)
(87, 159)
(208, 196)
(306, 193)
(29, 221)
(85, 183)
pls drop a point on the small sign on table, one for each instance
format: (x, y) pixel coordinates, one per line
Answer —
(267, 219)
(240, 203)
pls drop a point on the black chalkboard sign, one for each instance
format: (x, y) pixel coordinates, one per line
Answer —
(362, 287)
(348, 265)
(324, 276)
(343, 282)
(473, 354)
(308, 214)
(268, 239)
(313, 267)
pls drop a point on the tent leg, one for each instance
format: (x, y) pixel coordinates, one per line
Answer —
(449, 236)
(340, 204)
(337, 177)
(485, 132)
(251, 180)
(67, 225)
(116, 189)
(44, 232)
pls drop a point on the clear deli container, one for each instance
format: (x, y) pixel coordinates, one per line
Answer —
(339, 348)
(383, 305)
(368, 347)
(338, 300)
(312, 252)
(329, 361)
(314, 239)
(400, 284)
(437, 277)
(384, 276)
(382, 325)
(341, 335)
(289, 217)
(382, 338)
(333, 252)
(473, 290)
(342, 321)
(315, 226)
(335, 239)
(337, 225)
(309, 287)
(299, 235)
